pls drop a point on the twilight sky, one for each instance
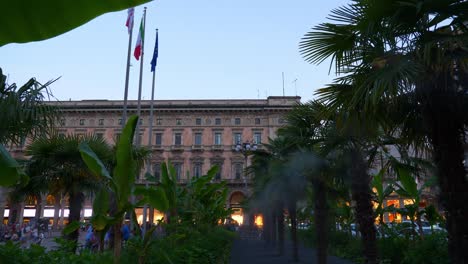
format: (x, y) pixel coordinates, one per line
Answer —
(208, 49)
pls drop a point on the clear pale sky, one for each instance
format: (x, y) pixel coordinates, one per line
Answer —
(207, 50)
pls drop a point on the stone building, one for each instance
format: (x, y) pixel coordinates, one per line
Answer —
(192, 134)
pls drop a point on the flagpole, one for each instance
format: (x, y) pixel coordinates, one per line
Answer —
(150, 140)
(137, 129)
(127, 75)
(141, 80)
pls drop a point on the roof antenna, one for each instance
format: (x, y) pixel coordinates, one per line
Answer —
(295, 85)
(282, 73)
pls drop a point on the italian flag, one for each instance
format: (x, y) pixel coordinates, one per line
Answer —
(140, 39)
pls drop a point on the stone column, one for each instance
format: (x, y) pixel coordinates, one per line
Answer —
(43, 204)
(62, 211)
(151, 215)
(3, 201)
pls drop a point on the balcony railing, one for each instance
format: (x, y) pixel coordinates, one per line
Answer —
(217, 147)
(197, 148)
(158, 147)
(177, 147)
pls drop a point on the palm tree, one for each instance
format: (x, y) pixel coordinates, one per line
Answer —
(306, 131)
(24, 112)
(342, 145)
(57, 162)
(273, 181)
(410, 51)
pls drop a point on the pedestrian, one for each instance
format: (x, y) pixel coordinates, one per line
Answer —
(125, 232)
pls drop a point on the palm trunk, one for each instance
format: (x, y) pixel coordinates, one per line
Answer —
(14, 212)
(56, 211)
(280, 220)
(361, 193)
(39, 207)
(76, 203)
(117, 242)
(266, 235)
(447, 140)
(274, 237)
(321, 225)
(293, 214)
(419, 223)
(3, 201)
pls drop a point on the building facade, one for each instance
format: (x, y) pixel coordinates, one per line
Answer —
(193, 135)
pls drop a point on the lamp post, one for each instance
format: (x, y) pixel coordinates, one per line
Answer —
(246, 149)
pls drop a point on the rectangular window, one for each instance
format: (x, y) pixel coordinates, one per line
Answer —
(217, 121)
(178, 170)
(197, 170)
(120, 121)
(140, 121)
(198, 121)
(237, 171)
(198, 139)
(237, 121)
(218, 138)
(158, 139)
(158, 121)
(62, 122)
(257, 121)
(178, 122)
(101, 122)
(81, 122)
(157, 171)
(258, 138)
(178, 139)
(218, 173)
(237, 137)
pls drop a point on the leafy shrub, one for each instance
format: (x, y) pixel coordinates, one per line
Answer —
(433, 249)
(209, 245)
(393, 249)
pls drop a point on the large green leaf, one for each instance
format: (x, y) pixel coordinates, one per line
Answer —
(31, 20)
(92, 160)
(155, 197)
(71, 227)
(408, 183)
(124, 171)
(101, 203)
(10, 171)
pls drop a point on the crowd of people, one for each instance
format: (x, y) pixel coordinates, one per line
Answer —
(33, 232)
(92, 240)
(26, 233)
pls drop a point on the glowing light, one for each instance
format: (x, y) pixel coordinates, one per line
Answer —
(156, 217)
(408, 201)
(259, 220)
(239, 218)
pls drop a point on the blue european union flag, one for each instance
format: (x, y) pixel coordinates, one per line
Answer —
(154, 60)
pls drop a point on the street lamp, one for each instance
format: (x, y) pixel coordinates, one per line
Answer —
(245, 149)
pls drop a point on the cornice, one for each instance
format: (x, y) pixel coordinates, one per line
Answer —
(272, 104)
